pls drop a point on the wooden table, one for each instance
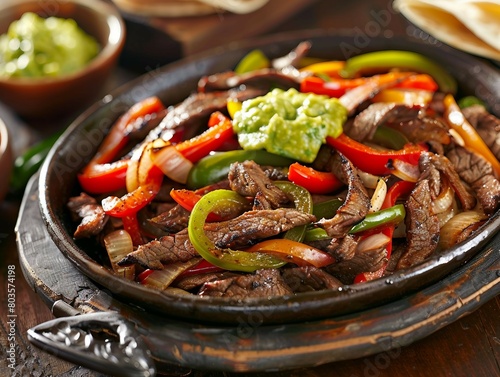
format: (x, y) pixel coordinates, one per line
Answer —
(467, 347)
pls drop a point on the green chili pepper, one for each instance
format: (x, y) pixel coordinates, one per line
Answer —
(375, 61)
(389, 138)
(315, 234)
(303, 202)
(227, 259)
(28, 163)
(469, 101)
(252, 61)
(215, 167)
(391, 215)
(327, 209)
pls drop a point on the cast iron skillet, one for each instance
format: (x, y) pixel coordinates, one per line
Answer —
(172, 84)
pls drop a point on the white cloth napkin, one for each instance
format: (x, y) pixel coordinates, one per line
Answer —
(469, 25)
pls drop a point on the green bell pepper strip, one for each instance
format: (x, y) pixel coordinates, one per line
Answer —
(227, 259)
(316, 234)
(469, 101)
(391, 215)
(215, 167)
(252, 61)
(389, 138)
(30, 161)
(378, 60)
(327, 209)
(303, 202)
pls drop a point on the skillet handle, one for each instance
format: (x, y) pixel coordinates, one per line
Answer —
(102, 341)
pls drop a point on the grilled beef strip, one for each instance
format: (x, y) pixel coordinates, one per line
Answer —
(261, 80)
(487, 126)
(362, 261)
(356, 204)
(422, 227)
(194, 282)
(309, 278)
(366, 122)
(171, 221)
(479, 174)
(263, 283)
(93, 219)
(431, 164)
(241, 231)
(423, 129)
(192, 114)
(248, 179)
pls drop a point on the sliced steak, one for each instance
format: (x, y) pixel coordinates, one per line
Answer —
(423, 129)
(171, 221)
(366, 122)
(356, 204)
(363, 260)
(431, 164)
(164, 250)
(93, 219)
(248, 179)
(193, 282)
(478, 173)
(307, 279)
(261, 80)
(487, 125)
(241, 231)
(422, 227)
(342, 248)
(263, 283)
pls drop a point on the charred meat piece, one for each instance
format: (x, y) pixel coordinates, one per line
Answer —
(262, 80)
(478, 173)
(193, 282)
(293, 58)
(164, 250)
(243, 230)
(430, 164)
(171, 221)
(92, 216)
(263, 283)
(422, 227)
(356, 204)
(366, 122)
(487, 126)
(307, 279)
(248, 179)
(363, 260)
(192, 114)
(342, 248)
(423, 129)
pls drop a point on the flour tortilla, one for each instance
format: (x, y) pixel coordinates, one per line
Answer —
(187, 8)
(470, 25)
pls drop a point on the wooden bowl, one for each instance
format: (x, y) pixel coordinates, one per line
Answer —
(50, 97)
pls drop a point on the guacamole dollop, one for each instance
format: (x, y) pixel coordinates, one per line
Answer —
(289, 123)
(37, 47)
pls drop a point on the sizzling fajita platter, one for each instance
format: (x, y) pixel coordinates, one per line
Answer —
(297, 177)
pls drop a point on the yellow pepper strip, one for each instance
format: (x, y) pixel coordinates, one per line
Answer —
(233, 106)
(329, 68)
(457, 121)
(408, 97)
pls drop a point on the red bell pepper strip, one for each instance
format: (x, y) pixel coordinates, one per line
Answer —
(131, 225)
(397, 190)
(131, 203)
(105, 177)
(203, 267)
(99, 176)
(373, 161)
(220, 131)
(187, 199)
(314, 181)
(337, 87)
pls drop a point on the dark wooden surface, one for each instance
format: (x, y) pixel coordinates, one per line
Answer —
(467, 347)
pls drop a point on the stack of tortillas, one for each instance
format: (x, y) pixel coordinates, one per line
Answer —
(185, 8)
(469, 25)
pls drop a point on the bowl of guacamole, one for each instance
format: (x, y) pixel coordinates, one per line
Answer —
(56, 55)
